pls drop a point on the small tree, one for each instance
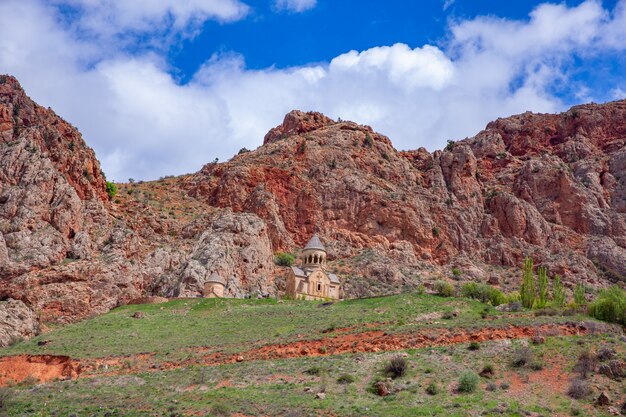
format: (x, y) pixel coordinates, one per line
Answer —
(579, 295)
(111, 189)
(542, 287)
(527, 291)
(558, 292)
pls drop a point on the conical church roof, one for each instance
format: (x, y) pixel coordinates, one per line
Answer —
(315, 243)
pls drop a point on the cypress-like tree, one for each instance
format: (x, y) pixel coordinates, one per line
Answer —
(542, 287)
(579, 295)
(527, 292)
(558, 292)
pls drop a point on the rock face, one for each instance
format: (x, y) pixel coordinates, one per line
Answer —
(548, 186)
(17, 322)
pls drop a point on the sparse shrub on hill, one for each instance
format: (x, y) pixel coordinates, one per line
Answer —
(522, 356)
(432, 388)
(586, 364)
(111, 189)
(444, 289)
(345, 379)
(527, 291)
(396, 367)
(468, 382)
(483, 293)
(610, 306)
(284, 259)
(578, 389)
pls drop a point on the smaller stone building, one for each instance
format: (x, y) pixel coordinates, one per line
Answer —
(214, 286)
(310, 281)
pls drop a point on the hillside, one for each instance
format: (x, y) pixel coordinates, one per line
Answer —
(201, 357)
(548, 186)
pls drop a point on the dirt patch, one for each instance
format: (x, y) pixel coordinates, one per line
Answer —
(43, 368)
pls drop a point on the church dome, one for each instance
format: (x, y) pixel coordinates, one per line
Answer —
(315, 243)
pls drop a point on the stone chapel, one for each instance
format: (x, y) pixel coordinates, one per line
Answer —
(310, 281)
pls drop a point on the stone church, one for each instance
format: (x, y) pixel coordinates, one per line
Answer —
(310, 281)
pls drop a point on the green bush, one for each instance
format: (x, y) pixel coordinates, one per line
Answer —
(345, 379)
(484, 293)
(396, 367)
(444, 289)
(111, 189)
(468, 382)
(284, 259)
(610, 306)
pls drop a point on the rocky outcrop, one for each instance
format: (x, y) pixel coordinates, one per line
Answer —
(17, 322)
(548, 186)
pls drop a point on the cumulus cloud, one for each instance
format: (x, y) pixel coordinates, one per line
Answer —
(144, 124)
(297, 6)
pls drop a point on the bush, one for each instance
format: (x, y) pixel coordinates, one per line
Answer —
(483, 293)
(313, 371)
(578, 389)
(111, 189)
(456, 273)
(284, 259)
(586, 364)
(610, 306)
(432, 388)
(345, 379)
(474, 346)
(468, 382)
(492, 386)
(396, 367)
(368, 141)
(444, 289)
(522, 356)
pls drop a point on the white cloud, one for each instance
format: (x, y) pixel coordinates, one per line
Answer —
(106, 18)
(447, 4)
(296, 6)
(144, 124)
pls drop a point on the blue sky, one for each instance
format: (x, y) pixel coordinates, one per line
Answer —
(160, 87)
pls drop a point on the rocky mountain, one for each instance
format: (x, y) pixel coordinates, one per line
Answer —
(548, 186)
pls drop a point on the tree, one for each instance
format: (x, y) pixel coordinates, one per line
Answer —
(111, 189)
(558, 292)
(542, 287)
(527, 291)
(579, 295)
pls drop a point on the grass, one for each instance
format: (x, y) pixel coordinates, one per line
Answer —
(278, 388)
(228, 324)
(288, 386)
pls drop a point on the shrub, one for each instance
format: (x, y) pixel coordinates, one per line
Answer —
(243, 150)
(522, 356)
(368, 140)
(421, 289)
(435, 231)
(542, 287)
(578, 389)
(527, 291)
(558, 292)
(284, 259)
(468, 382)
(505, 386)
(111, 189)
(345, 379)
(432, 388)
(474, 346)
(313, 371)
(492, 386)
(610, 306)
(579, 295)
(483, 293)
(456, 272)
(450, 146)
(586, 364)
(444, 289)
(396, 367)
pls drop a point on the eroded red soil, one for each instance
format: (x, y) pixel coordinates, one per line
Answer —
(43, 368)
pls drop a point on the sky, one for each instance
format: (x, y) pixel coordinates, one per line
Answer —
(161, 87)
